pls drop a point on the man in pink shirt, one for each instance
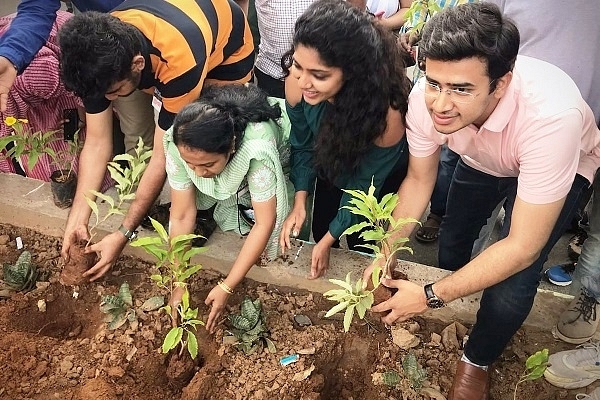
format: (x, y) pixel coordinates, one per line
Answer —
(524, 134)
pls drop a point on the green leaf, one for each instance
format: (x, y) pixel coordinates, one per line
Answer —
(172, 339)
(536, 372)
(147, 241)
(270, 345)
(125, 294)
(343, 284)
(192, 345)
(185, 299)
(104, 197)
(162, 232)
(123, 157)
(348, 317)
(376, 277)
(361, 309)
(537, 359)
(356, 228)
(183, 239)
(194, 251)
(189, 272)
(92, 204)
(337, 308)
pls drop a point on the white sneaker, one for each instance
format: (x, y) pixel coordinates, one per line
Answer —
(573, 369)
(595, 395)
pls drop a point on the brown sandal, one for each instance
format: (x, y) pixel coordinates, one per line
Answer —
(429, 231)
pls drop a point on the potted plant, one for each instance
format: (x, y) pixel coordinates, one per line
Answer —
(63, 181)
(25, 143)
(380, 228)
(174, 267)
(127, 178)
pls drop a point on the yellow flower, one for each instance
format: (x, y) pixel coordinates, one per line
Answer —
(10, 121)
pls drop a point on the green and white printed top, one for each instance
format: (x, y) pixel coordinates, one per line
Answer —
(257, 171)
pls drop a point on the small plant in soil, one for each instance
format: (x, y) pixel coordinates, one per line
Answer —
(118, 308)
(173, 263)
(413, 371)
(26, 143)
(188, 321)
(250, 329)
(378, 227)
(63, 181)
(20, 276)
(127, 179)
(535, 366)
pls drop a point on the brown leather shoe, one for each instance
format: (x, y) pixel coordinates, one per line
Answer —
(470, 383)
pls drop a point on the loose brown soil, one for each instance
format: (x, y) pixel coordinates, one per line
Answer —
(66, 352)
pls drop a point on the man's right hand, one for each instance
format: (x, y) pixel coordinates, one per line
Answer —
(72, 236)
(8, 74)
(109, 249)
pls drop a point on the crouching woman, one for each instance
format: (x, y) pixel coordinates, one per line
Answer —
(227, 150)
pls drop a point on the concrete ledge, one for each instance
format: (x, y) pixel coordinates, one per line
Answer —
(28, 203)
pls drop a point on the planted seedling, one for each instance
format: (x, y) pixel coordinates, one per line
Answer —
(127, 179)
(250, 329)
(423, 10)
(535, 366)
(20, 276)
(413, 371)
(119, 308)
(380, 228)
(174, 267)
(188, 321)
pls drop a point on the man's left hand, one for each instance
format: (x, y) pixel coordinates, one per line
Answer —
(408, 301)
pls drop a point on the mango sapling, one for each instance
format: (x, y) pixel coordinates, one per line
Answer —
(381, 229)
(127, 178)
(535, 366)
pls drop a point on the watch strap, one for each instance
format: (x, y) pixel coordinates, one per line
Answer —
(129, 234)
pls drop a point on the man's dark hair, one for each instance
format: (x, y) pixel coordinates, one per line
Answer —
(97, 50)
(472, 30)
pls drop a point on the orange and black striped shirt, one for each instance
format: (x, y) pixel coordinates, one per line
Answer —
(188, 42)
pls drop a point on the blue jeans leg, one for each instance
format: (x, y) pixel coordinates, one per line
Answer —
(448, 161)
(587, 272)
(504, 306)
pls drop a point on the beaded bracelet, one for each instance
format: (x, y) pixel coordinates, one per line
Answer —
(225, 288)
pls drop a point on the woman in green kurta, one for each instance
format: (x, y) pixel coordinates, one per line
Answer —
(229, 149)
(347, 96)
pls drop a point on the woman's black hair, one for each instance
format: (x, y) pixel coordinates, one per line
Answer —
(374, 80)
(221, 113)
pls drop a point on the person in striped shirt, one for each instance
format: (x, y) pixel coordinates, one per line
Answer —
(170, 49)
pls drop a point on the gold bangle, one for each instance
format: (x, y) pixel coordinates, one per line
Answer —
(225, 288)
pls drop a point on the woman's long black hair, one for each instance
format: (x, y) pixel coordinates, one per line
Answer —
(221, 113)
(374, 80)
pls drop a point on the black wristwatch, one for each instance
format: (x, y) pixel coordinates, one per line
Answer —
(432, 300)
(130, 235)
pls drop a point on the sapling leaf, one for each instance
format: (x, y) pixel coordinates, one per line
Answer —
(183, 239)
(125, 294)
(270, 345)
(376, 276)
(371, 247)
(361, 309)
(160, 230)
(537, 359)
(185, 299)
(337, 308)
(172, 339)
(123, 157)
(189, 272)
(348, 317)
(146, 241)
(92, 204)
(341, 283)
(355, 228)
(193, 251)
(536, 372)
(192, 345)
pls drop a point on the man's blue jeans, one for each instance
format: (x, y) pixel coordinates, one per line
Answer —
(503, 307)
(439, 197)
(587, 272)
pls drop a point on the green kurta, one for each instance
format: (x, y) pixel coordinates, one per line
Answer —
(377, 164)
(254, 173)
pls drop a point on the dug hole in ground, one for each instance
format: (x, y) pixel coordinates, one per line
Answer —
(54, 343)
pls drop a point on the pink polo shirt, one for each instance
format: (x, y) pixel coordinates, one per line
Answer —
(541, 131)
